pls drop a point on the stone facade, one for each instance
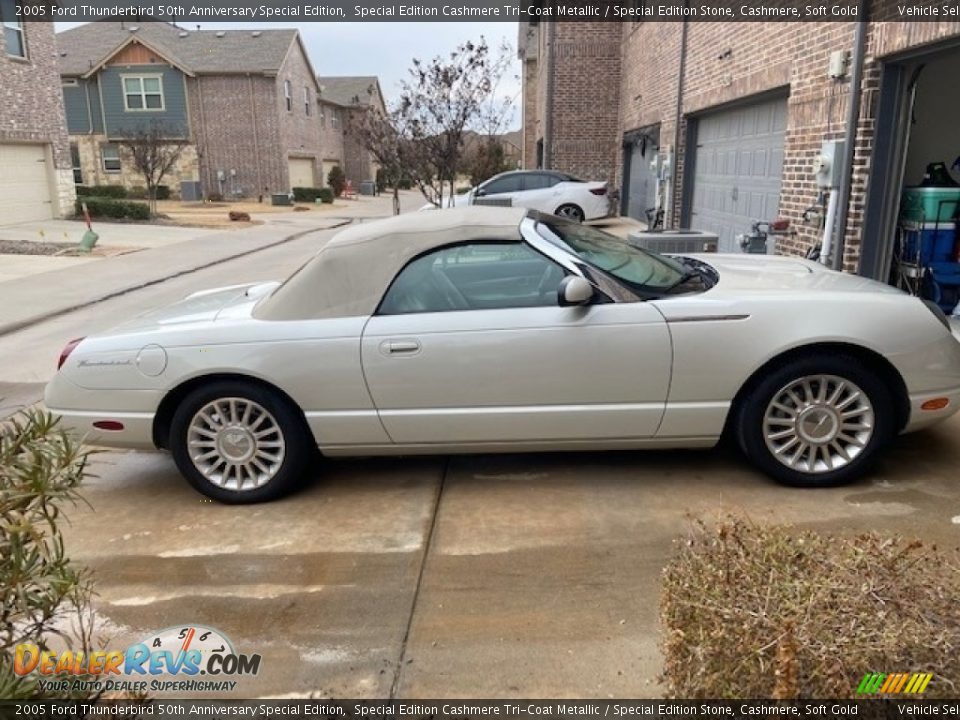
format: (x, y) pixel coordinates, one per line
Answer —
(31, 110)
(723, 64)
(89, 148)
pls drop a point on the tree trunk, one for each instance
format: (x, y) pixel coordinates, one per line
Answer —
(396, 200)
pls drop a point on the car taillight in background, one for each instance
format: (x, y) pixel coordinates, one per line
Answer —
(599, 190)
(67, 349)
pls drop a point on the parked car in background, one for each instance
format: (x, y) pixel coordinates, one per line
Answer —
(548, 191)
(507, 330)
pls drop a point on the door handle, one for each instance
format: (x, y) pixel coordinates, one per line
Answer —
(400, 347)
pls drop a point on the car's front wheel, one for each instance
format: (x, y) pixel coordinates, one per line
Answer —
(237, 442)
(570, 212)
(816, 421)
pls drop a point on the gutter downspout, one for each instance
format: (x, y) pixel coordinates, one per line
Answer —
(850, 136)
(548, 119)
(681, 71)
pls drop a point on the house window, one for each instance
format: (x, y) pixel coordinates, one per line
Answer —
(75, 160)
(306, 100)
(335, 119)
(287, 95)
(142, 92)
(323, 117)
(12, 29)
(110, 154)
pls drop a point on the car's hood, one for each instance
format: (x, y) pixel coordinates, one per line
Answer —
(781, 272)
(197, 307)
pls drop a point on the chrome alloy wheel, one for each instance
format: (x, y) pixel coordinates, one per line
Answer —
(818, 423)
(236, 443)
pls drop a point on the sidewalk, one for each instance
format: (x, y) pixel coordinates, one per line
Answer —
(30, 299)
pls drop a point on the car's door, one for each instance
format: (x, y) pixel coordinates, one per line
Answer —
(539, 192)
(469, 345)
(502, 191)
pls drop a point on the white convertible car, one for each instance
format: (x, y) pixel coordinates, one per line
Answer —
(504, 330)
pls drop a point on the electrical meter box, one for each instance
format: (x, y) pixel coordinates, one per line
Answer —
(827, 164)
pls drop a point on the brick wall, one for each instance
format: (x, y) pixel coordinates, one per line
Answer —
(236, 126)
(299, 132)
(31, 107)
(331, 138)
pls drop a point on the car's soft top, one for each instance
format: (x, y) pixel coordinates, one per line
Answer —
(350, 274)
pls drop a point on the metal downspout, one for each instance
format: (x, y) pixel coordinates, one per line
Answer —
(850, 136)
(674, 175)
(548, 114)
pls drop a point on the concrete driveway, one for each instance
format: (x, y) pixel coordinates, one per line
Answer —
(486, 576)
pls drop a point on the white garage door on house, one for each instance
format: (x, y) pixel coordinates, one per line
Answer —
(738, 166)
(24, 184)
(301, 172)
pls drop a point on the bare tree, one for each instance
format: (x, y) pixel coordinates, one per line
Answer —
(438, 103)
(154, 150)
(382, 135)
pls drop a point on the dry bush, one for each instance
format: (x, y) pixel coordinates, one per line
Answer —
(753, 612)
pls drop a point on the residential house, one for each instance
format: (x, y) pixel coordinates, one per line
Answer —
(344, 98)
(35, 178)
(722, 124)
(247, 101)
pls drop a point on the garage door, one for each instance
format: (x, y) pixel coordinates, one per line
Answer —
(641, 190)
(24, 184)
(301, 172)
(738, 165)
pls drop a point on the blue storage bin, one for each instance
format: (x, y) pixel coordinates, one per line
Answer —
(935, 241)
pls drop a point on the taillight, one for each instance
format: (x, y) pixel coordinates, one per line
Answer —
(67, 349)
(599, 190)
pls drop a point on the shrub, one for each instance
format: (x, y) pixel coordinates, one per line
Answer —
(306, 194)
(40, 588)
(137, 192)
(337, 180)
(326, 195)
(752, 612)
(215, 197)
(111, 208)
(103, 191)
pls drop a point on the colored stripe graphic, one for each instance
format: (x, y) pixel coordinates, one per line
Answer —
(894, 683)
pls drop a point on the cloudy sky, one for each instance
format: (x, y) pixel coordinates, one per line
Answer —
(386, 49)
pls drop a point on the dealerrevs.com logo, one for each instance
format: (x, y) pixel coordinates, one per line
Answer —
(192, 658)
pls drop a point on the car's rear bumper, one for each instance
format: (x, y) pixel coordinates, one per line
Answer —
(134, 430)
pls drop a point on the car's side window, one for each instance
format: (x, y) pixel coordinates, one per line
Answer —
(474, 276)
(508, 183)
(537, 181)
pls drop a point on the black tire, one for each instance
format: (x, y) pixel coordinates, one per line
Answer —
(297, 442)
(570, 212)
(750, 426)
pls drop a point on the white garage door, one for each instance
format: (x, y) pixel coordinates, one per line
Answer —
(24, 184)
(738, 165)
(301, 172)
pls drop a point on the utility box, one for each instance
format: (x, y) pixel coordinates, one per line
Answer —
(368, 187)
(191, 190)
(828, 162)
(675, 242)
(280, 199)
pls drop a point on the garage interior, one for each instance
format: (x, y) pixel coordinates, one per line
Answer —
(914, 197)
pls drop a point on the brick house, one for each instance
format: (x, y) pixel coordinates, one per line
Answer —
(35, 178)
(345, 97)
(720, 124)
(246, 100)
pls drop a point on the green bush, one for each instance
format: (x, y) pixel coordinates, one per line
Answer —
(103, 191)
(215, 197)
(137, 192)
(41, 590)
(337, 180)
(753, 612)
(163, 192)
(326, 195)
(306, 194)
(111, 208)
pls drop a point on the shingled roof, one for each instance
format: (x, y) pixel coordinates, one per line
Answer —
(346, 90)
(199, 52)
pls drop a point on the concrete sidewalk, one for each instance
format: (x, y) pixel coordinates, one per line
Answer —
(112, 234)
(27, 300)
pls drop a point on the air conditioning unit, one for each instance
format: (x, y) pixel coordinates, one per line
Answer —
(675, 242)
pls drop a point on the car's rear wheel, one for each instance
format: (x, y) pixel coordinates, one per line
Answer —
(816, 421)
(237, 442)
(570, 212)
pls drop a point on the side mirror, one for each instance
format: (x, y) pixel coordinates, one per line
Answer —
(479, 192)
(574, 290)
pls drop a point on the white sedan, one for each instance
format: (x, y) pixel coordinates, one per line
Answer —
(548, 191)
(502, 330)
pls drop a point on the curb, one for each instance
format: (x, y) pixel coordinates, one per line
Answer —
(21, 324)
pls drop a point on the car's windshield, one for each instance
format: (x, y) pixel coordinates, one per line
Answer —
(636, 267)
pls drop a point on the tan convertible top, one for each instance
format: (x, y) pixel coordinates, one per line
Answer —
(350, 274)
